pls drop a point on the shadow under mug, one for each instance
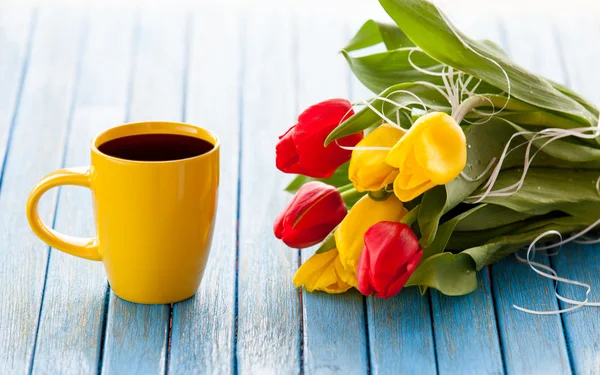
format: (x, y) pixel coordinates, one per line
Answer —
(154, 219)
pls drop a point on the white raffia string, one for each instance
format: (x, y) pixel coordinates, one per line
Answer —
(552, 275)
(482, 174)
(418, 68)
(552, 133)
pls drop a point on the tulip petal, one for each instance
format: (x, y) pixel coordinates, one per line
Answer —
(327, 111)
(319, 273)
(322, 203)
(407, 195)
(301, 239)
(287, 157)
(364, 275)
(278, 226)
(412, 174)
(398, 154)
(315, 210)
(308, 273)
(441, 150)
(314, 125)
(397, 285)
(349, 236)
(389, 247)
(396, 157)
(368, 169)
(348, 276)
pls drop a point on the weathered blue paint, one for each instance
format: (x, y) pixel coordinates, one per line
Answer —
(272, 68)
(36, 148)
(268, 326)
(400, 334)
(581, 263)
(466, 336)
(203, 326)
(75, 288)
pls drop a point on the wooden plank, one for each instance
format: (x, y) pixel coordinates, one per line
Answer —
(578, 262)
(268, 330)
(334, 325)
(36, 149)
(15, 34)
(203, 326)
(466, 336)
(400, 334)
(530, 343)
(400, 328)
(136, 335)
(581, 263)
(76, 288)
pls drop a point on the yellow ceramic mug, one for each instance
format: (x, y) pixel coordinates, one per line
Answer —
(154, 219)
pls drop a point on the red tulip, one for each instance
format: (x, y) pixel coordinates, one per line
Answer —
(314, 212)
(391, 254)
(300, 150)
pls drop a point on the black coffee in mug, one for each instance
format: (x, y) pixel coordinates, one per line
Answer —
(155, 147)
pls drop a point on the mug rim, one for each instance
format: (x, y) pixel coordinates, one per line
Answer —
(155, 127)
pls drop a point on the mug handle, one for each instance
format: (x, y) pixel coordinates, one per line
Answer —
(82, 247)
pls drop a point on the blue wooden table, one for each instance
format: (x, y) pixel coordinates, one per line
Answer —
(68, 73)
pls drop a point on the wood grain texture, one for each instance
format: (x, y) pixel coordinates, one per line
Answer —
(76, 288)
(136, 335)
(400, 329)
(466, 336)
(531, 344)
(581, 263)
(16, 26)
(334, 325)
(401, 335)
(268, 330)
(203, 326)
(578, 262)
(36, 149)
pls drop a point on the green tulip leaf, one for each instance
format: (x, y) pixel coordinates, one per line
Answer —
(382, 70)
(430, 30)
(462, 240)
(372, 33)
(490, 216)
(580, 99)
(451, 274)
(438, 245)
(500, 247)
(327, 244)
(548, 189)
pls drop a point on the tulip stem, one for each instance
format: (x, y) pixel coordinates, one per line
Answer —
(411, 216)
(350, 193)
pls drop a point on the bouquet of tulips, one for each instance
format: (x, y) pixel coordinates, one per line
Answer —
(461, 158)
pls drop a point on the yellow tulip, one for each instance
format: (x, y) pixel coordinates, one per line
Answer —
(433, 152)
(321, 272)
(349, 236)
(368, 169)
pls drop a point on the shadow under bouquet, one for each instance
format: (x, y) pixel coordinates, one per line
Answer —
(461, 158)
